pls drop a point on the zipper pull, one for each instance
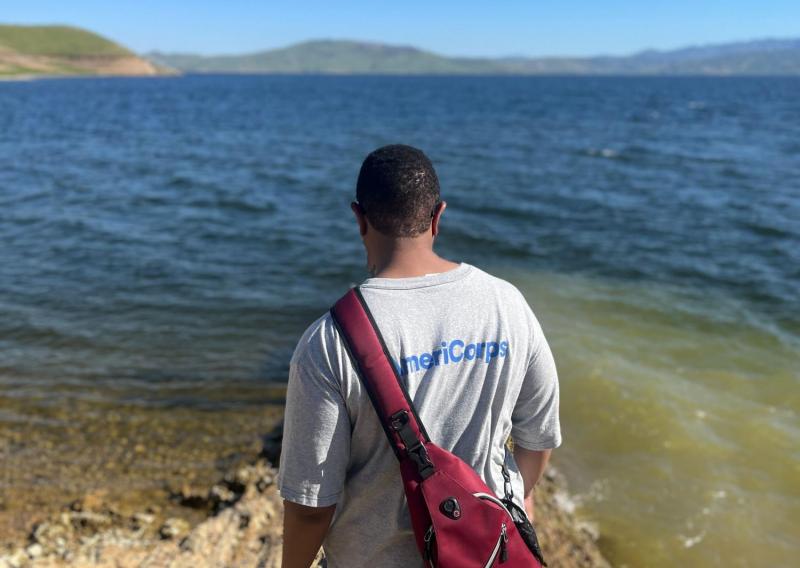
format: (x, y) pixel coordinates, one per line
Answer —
(503, 544)
(428, 556)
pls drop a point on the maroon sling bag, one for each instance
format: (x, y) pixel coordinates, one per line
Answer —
(458, 521)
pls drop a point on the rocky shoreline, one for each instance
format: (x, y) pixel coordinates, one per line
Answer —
(242, 527)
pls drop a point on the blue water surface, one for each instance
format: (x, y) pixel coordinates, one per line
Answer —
(191, 227)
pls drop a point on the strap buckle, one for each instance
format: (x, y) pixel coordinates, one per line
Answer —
(400, 423)
(508, 489)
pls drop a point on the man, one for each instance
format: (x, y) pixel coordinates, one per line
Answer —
(473, 358)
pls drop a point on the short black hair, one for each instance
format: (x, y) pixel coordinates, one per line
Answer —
(398, 190)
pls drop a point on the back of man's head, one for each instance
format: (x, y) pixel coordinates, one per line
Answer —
(398, 190)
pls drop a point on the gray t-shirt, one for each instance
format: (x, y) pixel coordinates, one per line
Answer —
(477, 367)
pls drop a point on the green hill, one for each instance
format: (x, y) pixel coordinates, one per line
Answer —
(65, 50)
(328, 56)
(764, 57)
(57, 40)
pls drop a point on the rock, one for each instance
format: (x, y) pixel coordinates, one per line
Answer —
(263, 483)
(221, 495)
(242, 528)
(271, 444)
(144, 518)
(18, 559)
(91, 521)
(141, 520)
(52, 536)
(244, 475)
(173, 527)
(193, 497)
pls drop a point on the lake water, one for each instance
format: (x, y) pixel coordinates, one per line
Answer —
(164, 242)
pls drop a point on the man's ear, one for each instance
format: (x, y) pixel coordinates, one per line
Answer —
(360, 217)
(437, 214)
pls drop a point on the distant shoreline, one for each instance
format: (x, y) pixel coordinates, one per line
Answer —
(26, 78)
(176, 75)
(34, 77)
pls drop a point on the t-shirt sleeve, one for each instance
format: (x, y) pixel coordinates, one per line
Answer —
(535, 421)
(316, 429)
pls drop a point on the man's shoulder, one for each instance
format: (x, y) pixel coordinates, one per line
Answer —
(501, 285)
(317, 340)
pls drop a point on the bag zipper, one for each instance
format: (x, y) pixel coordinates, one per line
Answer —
(500, 549)
(504, 544)
(429, 536)
(494, 500)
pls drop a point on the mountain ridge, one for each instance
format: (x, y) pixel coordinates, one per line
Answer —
(337, 56)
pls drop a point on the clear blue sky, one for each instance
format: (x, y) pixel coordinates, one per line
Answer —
(451, 27)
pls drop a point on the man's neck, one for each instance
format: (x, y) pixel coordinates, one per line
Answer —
(407, 262)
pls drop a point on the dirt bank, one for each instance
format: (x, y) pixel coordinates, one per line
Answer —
(16, 65)
(241, 527)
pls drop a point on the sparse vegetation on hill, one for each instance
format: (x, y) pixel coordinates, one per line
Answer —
(65, 50)
(63, 41)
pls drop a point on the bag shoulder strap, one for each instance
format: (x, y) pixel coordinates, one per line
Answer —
(378, 374)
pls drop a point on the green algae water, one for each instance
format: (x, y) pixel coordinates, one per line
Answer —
(680, 421)
(164, 243)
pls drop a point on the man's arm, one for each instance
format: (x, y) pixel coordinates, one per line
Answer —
(304, 529)
(536, 429)
(531, 464)
(316, 444)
